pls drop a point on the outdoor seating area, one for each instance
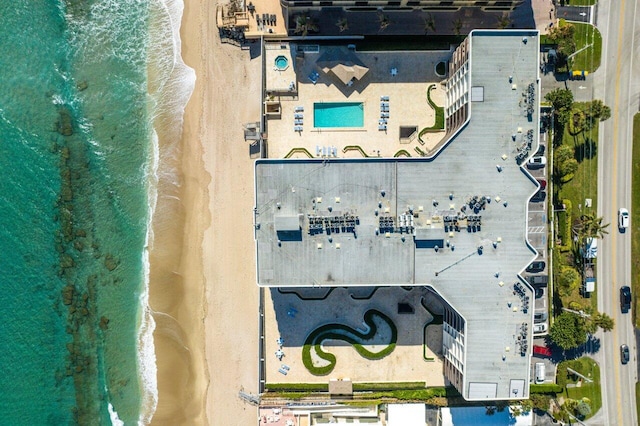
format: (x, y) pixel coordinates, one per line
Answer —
(336, 74)
(384, 113)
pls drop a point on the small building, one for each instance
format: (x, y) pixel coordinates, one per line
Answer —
(406, 415)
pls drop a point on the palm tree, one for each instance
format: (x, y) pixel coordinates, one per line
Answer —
(305, 25)
(593, 227)
(383, 20)
(457, 26)
(342, 24)
(504, 21)
(429, 24)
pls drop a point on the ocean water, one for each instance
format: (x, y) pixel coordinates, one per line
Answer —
(78, 163)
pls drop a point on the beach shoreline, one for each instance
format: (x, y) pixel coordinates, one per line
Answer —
(202, 281)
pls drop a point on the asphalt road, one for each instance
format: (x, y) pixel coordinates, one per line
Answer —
(617, 83)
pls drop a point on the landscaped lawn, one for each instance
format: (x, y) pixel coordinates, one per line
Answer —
(588, 59)
(635, 216)
(589, 368)
(583, 185)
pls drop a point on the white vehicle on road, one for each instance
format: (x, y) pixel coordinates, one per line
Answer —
(623, 218)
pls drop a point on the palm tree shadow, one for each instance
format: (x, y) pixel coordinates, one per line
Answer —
(585, 150)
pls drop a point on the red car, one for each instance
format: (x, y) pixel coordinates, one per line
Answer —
(543, 183)
(541, 350)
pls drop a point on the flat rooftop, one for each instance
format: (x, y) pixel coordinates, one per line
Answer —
(456, 221)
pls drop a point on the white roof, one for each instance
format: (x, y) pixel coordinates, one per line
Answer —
(406, 415)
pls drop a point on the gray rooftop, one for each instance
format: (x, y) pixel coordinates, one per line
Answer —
(473, 269)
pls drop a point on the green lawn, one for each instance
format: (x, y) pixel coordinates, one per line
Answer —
(583, 185)
(588, 59)
(635, 216)
(589, 368)
(581, 2)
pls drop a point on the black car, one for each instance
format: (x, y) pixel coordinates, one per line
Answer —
(624, 354)
(541, 280)
(539, 291)
(537, 266)
(540, 151)
(625, 299)
(538, 197)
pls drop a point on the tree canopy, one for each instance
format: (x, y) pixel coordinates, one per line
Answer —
(568, 331)
(562, 102)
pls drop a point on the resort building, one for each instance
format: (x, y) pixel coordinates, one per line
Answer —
(435, 5)
(453, 220)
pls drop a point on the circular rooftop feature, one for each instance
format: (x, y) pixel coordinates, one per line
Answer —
(281, 63)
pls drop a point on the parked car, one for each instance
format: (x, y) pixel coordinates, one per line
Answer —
(538, 279)
(540, 151)
(625, 299)
(543, 183)
(537, 266)
(539, 317)
(540, 372)
(541, 350)
(536, 162)
(623, 219)
(540, 328)
(539, 292)
(624, 354)
(538, 197)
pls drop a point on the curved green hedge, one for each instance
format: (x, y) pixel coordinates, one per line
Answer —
(354, 148)
(337, 332)
(438, 125)
(402, 153)
(298, 151)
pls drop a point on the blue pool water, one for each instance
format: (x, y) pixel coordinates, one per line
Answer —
(338, 114)
(282, 63)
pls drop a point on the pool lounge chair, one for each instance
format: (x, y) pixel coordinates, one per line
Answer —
(298, 122)
(384, 115)
(384, 98)
(297, 128)
(382, 127)
(298, 109)
(298, 116)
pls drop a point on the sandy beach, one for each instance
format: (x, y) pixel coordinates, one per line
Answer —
(203, 287)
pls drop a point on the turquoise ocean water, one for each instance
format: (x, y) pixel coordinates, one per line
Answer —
(76, 150)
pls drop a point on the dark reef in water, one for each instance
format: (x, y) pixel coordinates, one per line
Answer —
(79, 294)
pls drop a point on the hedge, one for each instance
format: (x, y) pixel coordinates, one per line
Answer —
(438, 126)
(354, 148)
(336, 332)
(546, 388)
(402, 153)
(298, 150)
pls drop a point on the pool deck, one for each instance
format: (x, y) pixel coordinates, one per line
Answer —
(407, 92)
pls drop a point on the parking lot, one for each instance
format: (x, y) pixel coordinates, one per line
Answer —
(537, 234)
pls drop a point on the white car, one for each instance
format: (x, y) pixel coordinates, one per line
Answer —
(537, 162)
(540, 328)
(623, 218)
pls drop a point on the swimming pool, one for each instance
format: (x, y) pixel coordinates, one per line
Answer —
(281, 63)
(338, 114)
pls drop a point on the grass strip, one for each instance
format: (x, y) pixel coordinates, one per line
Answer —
(635, 217)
